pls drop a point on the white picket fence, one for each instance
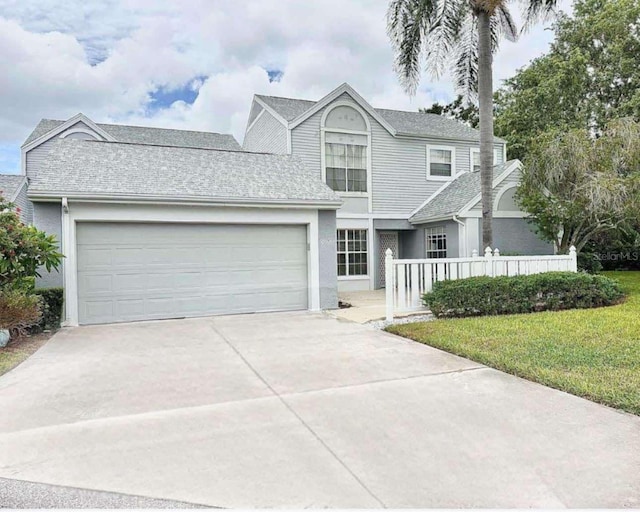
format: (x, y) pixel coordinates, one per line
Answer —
(407, 280)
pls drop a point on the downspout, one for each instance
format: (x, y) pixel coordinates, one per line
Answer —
(463, 243)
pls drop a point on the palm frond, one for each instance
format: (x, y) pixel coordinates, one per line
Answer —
(409, 23)
(444, 37)
(507, 25)
(465, 64)
(536, 10)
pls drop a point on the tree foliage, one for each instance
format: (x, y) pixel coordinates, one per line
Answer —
(590, 76)
(576, 186)
(23, 249)
(460, 110)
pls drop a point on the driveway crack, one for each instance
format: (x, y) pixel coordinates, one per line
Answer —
(294, 412)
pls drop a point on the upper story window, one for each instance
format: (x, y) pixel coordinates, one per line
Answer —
(346, 146)
(346, 167)
(441, 162)
(475, 158)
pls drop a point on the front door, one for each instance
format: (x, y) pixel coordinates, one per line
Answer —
(388, 240)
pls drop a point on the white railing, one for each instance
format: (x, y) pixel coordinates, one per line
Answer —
(407, 280)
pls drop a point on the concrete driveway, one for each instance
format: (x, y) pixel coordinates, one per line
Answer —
(303, 410)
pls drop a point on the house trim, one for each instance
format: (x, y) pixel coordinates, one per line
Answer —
(180, 214)
(254, 121)
(142, 199)
(335, 94)
(465, 210)
(271, 111)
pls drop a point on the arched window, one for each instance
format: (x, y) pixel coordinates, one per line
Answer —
(346, 141)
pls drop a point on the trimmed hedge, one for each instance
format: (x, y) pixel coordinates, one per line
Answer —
(550, 291)
(52, 301)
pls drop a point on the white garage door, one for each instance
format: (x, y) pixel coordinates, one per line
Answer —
(130, 271)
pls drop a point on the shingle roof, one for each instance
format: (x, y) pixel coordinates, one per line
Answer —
(409, 123)
(109, 169)
(148, 135)
(9, 185)
(455, 196)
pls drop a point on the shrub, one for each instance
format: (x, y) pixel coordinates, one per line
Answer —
(503, 295)
(19, 310)
(52, 300)
(589, 262)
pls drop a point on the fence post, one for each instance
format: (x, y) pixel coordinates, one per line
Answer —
(488, 256)
(389, 283)
(474, 253)
(574, 259)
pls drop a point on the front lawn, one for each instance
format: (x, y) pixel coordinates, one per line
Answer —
(20, 349)
(593, 353)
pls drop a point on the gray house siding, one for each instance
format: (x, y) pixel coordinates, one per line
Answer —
(516, 236)
(48, 218)
(327, 255)
(22, 202)
(399, 164)
(512, 179)
(266, 135)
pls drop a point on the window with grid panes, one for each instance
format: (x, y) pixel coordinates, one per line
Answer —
(440, 162)
(436, 242)
(346, 167)
(352, 252)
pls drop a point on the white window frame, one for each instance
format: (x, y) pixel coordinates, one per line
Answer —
(451, 149)
(346, 252)
(324, 130)
(439, 232)
(346, 169)
(476, 151)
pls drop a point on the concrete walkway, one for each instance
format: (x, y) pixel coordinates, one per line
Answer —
(302, 410)
(366, 306)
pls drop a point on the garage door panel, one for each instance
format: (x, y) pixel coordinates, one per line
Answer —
(132, 271)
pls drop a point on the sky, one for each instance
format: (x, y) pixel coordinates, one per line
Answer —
(195, 64)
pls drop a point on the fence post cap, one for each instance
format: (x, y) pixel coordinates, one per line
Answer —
(572, 249)
(474, 253)
(496, 252)
(487, 251)
(388, 253)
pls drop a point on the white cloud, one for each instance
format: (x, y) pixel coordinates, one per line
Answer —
(106, 59)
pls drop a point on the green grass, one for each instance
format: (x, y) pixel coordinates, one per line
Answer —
(593, 353)
(19, 350)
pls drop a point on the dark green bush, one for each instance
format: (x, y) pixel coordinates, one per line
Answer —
(502, 295)
(52, 301)
(589, 262)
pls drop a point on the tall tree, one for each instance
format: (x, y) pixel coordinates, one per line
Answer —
(576, 186)
(459, 109)
(590, 76)
(465, 34)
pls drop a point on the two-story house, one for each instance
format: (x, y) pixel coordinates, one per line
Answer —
(158, 223)
(409, 181)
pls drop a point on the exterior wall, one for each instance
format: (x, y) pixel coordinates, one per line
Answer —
(399, 165)
(48, 218)
(35, 158)
(518, 236)
(509, 181)
(327, 255)
(26, 207)
(267, 135)
(453, 239)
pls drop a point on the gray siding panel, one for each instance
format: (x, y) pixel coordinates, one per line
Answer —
(517, 236)
(327, 254)
(399, 164)
(513, 178)
(48, 218)
(267, 135)
(26, 208)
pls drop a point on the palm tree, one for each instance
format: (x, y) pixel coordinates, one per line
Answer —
(465, 34)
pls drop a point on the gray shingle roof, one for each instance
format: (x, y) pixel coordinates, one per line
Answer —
(409, 123)
(148, 135)
(455, 196)
(9, 185)
(109, 169)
